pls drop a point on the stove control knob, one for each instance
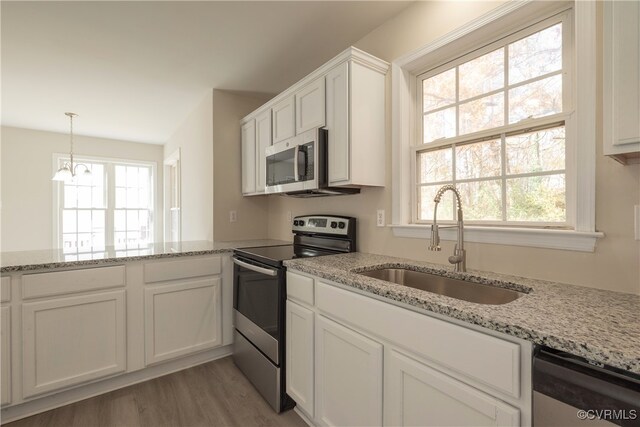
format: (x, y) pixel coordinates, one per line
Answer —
(334, 224)
(301, 223)
(341, 225)
(295, 222)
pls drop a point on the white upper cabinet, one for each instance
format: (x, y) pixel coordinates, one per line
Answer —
(263, 140)
(622, 80)
(249, 157)
(284, 119)
(347, 97)
(310, 111)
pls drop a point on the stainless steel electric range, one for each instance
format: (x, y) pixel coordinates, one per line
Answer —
(259, 295)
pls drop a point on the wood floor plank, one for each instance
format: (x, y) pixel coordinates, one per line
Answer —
(212, 394)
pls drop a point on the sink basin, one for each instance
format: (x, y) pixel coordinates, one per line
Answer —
(454, 288)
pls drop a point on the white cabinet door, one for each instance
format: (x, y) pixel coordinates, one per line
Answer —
(310, 106)
(300, 356)
(5, 355)
(263, 140)
(338, 123)
(68, 341)
(416, 394)
(181, 319)
(348, 376)
(249, 157)
(283, 119)
(621, 77)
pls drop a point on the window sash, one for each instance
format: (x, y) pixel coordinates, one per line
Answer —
(565, 118)
(109, 206)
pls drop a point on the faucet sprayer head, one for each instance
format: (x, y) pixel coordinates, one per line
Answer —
(434, 245)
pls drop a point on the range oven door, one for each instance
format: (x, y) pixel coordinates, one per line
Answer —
(258, 302)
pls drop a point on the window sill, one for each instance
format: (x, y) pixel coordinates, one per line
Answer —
(537, 238)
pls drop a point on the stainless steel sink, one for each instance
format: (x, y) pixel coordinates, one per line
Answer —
(454, 288)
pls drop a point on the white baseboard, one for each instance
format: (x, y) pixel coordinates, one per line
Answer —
(52, 401)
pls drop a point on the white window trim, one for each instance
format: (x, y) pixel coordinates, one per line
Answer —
(56, 191)
(504, 19)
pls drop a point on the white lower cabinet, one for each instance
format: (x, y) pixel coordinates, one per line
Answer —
(353, 360)
(299, 351)
(182, 318)
(348, 376)
(419, 395)
(5, 355)
(68, 341)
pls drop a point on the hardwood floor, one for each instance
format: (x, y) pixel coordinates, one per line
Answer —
(213, 394)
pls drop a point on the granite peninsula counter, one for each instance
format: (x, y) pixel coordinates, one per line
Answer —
(601, 326)
(56, 258)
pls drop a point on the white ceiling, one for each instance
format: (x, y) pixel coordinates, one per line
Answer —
(135, 70)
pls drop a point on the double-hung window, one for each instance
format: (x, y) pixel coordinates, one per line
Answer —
(495, 123)
(112, 207)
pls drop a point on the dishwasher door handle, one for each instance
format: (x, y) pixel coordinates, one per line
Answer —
(261, 270)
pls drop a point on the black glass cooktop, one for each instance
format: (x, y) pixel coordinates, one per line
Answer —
(274, 255)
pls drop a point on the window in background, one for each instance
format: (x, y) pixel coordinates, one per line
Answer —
(494, 125)
(112, 207)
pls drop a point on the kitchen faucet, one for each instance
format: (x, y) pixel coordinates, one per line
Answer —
(459, 257)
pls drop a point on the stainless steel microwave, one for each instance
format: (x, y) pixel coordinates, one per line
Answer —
(298, 166)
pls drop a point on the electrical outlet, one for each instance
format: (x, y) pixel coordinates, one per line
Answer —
(380, 218)
(233, 216)
(289, 216)
(636, 220)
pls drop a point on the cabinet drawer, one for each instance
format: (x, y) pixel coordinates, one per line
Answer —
(64, 282)
(482, 358)
(300, 288)
(5, 289)
(181, 269)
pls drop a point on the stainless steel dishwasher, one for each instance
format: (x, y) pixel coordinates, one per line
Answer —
(570, 391)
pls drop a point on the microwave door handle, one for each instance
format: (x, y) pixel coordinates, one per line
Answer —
(296, 175)
(255, 268)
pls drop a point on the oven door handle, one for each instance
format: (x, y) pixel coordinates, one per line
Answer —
(262, 270)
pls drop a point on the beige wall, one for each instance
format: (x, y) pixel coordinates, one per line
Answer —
(194, 139)
(615, 264)
(26, 197)
(228, 109)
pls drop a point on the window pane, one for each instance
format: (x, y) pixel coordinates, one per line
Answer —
(132, 198)
(84, 221)
(426, 204)
(482, 75)
(478, 160)
(70, 196)
(84, 242)
(121, 197)
(143, 198)
(436, 166)
(84, 197)
(69, 242)
(97, 174)
(440, 124)
(119, 220)
(132, 176)
(482, 113)
(120, 239)
(143, 177)
(97, 221)
(439, 90)
(536, 152)
(537, 99)
(538, 198)
(69, 221)
(121, 176)
(97, 197)
(132, 220)
(481, 200)
(536, 55)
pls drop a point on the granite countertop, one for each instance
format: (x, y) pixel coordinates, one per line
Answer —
(55, 258)
(601, 326)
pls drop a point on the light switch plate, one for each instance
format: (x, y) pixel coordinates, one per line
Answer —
(233, 216)
(636, 220)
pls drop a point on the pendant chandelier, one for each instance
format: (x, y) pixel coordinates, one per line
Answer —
(68, 171)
